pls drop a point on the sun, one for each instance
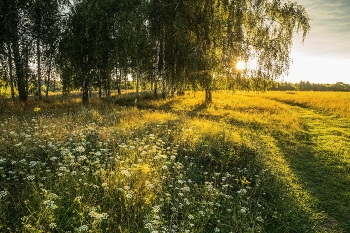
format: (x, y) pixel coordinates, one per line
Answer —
(240, 65)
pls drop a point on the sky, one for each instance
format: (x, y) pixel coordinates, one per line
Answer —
(325, 55)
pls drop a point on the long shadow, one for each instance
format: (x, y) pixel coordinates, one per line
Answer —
(327, 182)
(300, 155)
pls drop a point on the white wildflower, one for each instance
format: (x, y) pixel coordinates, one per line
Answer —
(80, 149)
(52, 225)
(83, 228)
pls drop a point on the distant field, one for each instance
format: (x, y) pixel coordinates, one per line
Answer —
(335, 102)
(250, 162)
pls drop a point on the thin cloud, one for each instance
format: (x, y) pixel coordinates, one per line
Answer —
(325, 55)
(330, 29)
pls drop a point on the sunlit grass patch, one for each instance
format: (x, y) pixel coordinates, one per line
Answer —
(335, 102)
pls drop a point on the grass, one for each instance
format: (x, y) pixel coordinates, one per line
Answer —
(332, 102)
(247, 163)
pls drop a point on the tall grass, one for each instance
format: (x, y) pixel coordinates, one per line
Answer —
(170, 165)
(335, 102)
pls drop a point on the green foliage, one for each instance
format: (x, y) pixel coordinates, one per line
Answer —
(307, 86)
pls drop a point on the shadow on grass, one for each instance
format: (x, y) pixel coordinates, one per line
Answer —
(222, 156)
(327, 183)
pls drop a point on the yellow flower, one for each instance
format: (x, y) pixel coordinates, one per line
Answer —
(244, 181)
(37, 109)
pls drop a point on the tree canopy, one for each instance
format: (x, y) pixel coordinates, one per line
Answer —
(171, 43)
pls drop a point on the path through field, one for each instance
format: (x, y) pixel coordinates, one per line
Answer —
(321, 161)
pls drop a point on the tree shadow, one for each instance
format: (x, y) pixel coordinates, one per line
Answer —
(327, 183)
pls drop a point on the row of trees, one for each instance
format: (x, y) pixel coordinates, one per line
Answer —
(307, 86)
(166, 43)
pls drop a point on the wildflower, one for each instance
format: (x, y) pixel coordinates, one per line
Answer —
(242, 191)
(129, 195)
(190, 217)
(155, 209)
(243, 210)
(78, 198)
(37, 109)
(126, 172)
(52, 196)
(104, 185)
(186, 201)
(30, 177)
(50, 204)
(3, 194)
(149, 185)
(52, 225)
(80, 149)
(244, 181)
(216, 229)
(98, 216)
(83, 228)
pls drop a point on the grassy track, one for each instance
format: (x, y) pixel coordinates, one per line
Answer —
(272, 162)
(321, 161)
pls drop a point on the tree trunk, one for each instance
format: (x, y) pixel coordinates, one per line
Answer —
(126, 82)
(208, 96)
(26, 69)
(163, 68)
(137, 84)
(39, 67)
(10, 72)
(48, 76)
(119, 81)
(99, 84)
(85, 91)
(155, 81)
(19, 69)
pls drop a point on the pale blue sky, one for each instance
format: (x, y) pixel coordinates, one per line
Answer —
(325, 55)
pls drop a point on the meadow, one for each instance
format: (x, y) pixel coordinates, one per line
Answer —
(249, 162)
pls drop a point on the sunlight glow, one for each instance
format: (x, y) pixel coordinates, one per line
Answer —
(240, 65)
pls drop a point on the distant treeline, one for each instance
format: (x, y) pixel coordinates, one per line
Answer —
(307, 86)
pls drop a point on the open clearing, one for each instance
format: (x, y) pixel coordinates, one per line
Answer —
(268, 162)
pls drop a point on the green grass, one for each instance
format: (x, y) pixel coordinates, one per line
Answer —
(246, 163)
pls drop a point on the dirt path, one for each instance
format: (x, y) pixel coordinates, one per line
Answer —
(321, 161)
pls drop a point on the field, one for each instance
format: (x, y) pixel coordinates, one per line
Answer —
(249, 162)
